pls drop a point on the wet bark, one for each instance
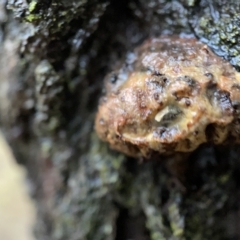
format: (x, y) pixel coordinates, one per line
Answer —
(54, 56)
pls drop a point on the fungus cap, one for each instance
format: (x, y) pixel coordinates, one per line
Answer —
(171, 95)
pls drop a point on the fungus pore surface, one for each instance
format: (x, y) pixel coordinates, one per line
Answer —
(171, 95)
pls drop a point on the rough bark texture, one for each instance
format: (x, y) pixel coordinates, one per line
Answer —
(54, 55)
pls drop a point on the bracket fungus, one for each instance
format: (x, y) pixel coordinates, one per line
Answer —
(171, 95)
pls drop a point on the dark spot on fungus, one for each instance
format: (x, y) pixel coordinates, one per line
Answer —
(189, 81)
(211, 89)
(160, 131)
(236, 108)
(219, 98)
(236, 86)
(209, 75)
(165, 80)
(195, 133)
(172, 114)
(156, 73)
(187, 102)
(157, 82)
(156, 96)
(223, 97)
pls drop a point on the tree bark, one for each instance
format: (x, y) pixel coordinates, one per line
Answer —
(54, 56)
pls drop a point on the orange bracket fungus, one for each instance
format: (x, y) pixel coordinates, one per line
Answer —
(171, 95)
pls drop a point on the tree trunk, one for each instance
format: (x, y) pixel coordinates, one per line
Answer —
(54, 56)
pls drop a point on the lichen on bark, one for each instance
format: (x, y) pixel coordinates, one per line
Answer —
(217, 24)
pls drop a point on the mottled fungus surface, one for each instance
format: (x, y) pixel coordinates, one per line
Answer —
(171, 95)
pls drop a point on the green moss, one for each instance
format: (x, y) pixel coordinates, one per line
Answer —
(31, 18)
(32, 6)
(219, 27)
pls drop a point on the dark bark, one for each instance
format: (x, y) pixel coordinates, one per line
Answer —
(54, 55)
